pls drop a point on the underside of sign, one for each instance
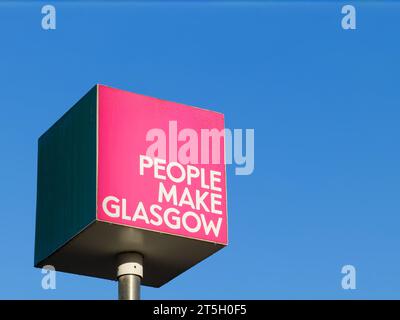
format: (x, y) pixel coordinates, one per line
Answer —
(99, 194)
(96, 249)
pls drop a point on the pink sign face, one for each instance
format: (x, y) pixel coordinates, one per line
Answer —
(161, 166)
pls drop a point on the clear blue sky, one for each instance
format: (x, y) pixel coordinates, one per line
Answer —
(324, 103)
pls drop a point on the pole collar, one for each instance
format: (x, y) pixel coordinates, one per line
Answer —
(130, 263)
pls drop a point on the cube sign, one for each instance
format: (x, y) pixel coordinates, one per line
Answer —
(123, 172)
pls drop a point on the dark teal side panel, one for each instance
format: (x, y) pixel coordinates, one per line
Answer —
(66, 182)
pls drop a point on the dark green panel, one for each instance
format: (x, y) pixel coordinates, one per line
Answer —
(66, 186)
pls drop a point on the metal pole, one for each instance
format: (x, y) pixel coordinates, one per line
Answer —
(129, 287)
(129, 274)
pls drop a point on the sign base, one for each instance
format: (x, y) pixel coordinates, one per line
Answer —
(97, 247)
